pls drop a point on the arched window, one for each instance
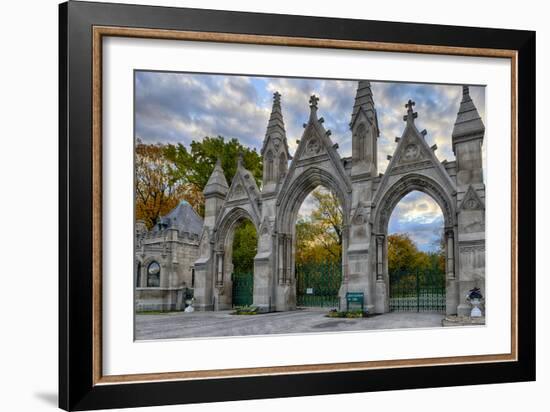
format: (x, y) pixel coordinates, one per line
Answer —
(361, 141)
(269, 166)
(282, 165)
(153, 275)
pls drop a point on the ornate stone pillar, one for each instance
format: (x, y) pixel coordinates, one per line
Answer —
(345, 264)
(380, 258)
(450, 261)
(381, 302)
(288, 259)
(281, 259)
(452, 287)
(219, 268)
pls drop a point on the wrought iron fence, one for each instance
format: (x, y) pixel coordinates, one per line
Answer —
(318, 283)
(243, 285)
(417, 291)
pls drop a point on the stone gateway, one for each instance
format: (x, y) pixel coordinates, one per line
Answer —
(367, 199)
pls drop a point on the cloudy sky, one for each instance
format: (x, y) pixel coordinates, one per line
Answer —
(181, 107)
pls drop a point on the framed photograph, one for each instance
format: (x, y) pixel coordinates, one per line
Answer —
(256, 206)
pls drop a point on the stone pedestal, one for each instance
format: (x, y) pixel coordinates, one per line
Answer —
(223, 296)
(358, 280)
(464, 309)
(451, 297)
(285, 297)
(381, 297)
(455, 320)
(203, 292)
(263, 279)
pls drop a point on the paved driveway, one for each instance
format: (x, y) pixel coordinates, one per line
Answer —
(205, 324)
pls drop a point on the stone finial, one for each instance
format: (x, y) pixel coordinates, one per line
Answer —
(411, 115)
(277, 97)
(313, 104)
(240, 159)
(313, 101)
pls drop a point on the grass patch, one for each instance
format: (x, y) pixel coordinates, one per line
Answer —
(246, 310)
(352, 314)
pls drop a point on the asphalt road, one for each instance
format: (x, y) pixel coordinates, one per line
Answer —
(223, 323)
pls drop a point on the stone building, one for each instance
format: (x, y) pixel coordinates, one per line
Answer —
(367, 198)
(164, 259)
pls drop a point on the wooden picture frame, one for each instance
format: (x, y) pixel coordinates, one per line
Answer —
(82, 385)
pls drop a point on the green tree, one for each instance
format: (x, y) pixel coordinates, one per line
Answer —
(245, 244)
(404, 255)
(196, 164)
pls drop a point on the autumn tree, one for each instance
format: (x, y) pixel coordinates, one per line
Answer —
(319, 236)
(439, 255)
(157, 192)
(402, 252)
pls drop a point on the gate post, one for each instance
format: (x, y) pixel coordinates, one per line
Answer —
(451, 287)
(382, 301)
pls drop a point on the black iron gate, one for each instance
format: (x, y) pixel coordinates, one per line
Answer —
(417, 291)
(243, 285)
(318, 283)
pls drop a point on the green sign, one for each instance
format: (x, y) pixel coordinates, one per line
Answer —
(355, 297)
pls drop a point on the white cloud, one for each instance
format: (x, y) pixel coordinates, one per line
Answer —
(180, 107)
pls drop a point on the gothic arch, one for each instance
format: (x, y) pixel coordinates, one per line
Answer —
(288, 204)
(290, 200)
(382, 213)
(404, 186)
(229, 223)
(223, 253)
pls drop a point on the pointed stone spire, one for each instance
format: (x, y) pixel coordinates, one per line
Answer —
(276, 124)
(217, 184)
(365, 132)
(468, 124)
(363, 102)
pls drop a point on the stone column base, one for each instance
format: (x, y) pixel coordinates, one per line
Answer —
(264, 308)
(462, 321)
(285, 298)
(381, 301)
(464, 309)
(203, 308)
(451, 297)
